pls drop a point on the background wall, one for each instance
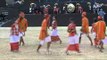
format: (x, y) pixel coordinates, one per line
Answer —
(62, 19)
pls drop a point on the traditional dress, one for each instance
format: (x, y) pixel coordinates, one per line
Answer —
(94, 31)
(54, 33)
(14, 37)
(85, 25)
(73, 39)
(43, 36)
(101, 27)
(85, 28)
(23, 24)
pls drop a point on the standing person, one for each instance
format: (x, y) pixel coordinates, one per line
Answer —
(101, 28)
(95, 8)
(101, 13)
(54, 34)
(73, 38)
(45, 10)
(85, 27)
(23, 24)
(43, 36)
(94, 31)
(56, 9)
(14, 37)
(80, 9)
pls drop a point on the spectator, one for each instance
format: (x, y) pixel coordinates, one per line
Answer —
(45, 10)
(64, 9)
(19, 1)
(49, 9)
(80, 9)
(89, 6)
(32, 7)
(56, 9)
(101, 13)
(96, 7)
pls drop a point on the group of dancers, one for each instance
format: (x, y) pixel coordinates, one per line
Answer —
(19, 27)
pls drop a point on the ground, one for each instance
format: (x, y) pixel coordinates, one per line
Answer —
(57, 51)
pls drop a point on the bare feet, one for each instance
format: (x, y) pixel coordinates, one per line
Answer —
(78, 51)
(91, 44)
(23, 44)
(38, 51)
(67, 53)
(101, 50)
(60, 42)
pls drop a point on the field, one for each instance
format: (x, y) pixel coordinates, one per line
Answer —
(28, 52)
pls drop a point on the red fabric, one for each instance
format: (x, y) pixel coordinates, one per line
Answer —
(99, 18)
(14, 30)
(14, 46)
(55, 38)
(74, 47)
(96, 42)
(56, 10)
(70, 27)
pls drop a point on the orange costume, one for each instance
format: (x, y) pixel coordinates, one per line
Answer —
(94, 30)
(85, 25)
(43, 32)
(23, 24)
(101, 26)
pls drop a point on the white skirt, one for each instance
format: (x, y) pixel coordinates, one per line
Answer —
(47, 39)
(94, 35)
(73, 39)
(14, 38)
(21, 34)
(104, 40)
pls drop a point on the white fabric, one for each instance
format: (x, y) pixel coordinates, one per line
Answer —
(94, 35)
(21, 34)
(104, 40)
(54, 32)
(73, 39)
(47, 39)
(14, 38)
(83, 34)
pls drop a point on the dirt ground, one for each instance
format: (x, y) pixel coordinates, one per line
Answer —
(28, 52)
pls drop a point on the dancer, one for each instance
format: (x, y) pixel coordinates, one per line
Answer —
(73, 38)
(101, 28)
(54, 34)
(43, 36)
(85, 27)
(23, 24)
(14, 37)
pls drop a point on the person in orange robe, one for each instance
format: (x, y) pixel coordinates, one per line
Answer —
(93, 31)
(54, 34)
(73, 38)
(101, 28)
(85, 27)
(43, 36)
(23, 24)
